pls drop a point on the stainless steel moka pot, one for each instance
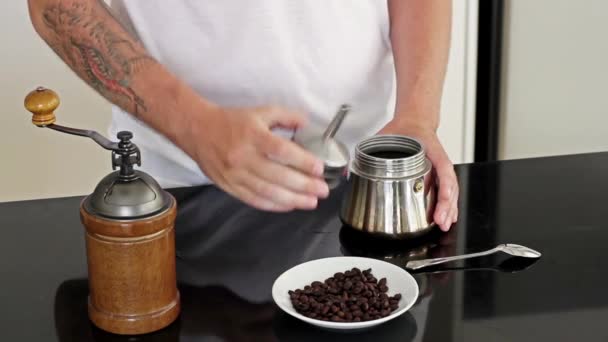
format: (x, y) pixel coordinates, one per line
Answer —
(390, 188)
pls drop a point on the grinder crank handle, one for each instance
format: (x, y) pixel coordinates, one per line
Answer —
(43, 102)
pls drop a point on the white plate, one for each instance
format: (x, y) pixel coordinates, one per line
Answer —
(398, 281)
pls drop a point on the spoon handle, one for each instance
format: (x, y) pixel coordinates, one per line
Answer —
(336, 122)
(418, 264)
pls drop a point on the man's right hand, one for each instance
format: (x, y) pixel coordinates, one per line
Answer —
(237, 150)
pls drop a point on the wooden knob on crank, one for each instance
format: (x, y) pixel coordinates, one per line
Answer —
(42, 103)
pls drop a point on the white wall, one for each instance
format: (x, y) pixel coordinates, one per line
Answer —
(37, 163)
(41, 163)
(457, 127)
(554, 92)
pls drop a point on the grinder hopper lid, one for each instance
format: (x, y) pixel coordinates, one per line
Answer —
(127, 193)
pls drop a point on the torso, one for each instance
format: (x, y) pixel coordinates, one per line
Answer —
(307, 55)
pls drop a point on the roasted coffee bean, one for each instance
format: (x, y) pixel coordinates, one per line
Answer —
(349, 296)
(382, 282)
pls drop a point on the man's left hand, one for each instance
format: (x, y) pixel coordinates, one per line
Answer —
(446, 211)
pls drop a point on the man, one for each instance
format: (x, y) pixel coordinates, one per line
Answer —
(212, 89)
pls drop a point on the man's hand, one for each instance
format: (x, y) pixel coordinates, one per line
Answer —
(237, 150)
(446, 211)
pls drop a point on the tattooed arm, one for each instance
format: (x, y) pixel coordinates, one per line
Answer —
(104, 54)
(234, 147)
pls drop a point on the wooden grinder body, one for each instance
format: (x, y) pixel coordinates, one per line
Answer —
(132, 277)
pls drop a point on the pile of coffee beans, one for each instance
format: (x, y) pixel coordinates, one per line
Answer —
(350, 296)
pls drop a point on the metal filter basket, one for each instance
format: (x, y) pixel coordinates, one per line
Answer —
(391, 189)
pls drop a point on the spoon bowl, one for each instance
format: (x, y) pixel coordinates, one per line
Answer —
(519, 250)
(334, 153)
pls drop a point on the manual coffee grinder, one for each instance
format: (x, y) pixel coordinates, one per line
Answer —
(129, 235)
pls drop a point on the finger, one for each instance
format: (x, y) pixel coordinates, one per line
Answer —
(280, 196)
(440, 215)
(447, 191)
(449, 220)
(289, 153)
(443, 206)
(289, 178)
(454, 214)
(280, 117)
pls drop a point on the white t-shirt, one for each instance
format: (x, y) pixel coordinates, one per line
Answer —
(307, 55)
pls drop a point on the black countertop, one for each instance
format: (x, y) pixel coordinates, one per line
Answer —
(229, 256)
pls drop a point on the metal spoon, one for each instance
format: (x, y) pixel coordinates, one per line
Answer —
(509, 248)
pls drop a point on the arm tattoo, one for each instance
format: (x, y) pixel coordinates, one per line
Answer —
(106, 57)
